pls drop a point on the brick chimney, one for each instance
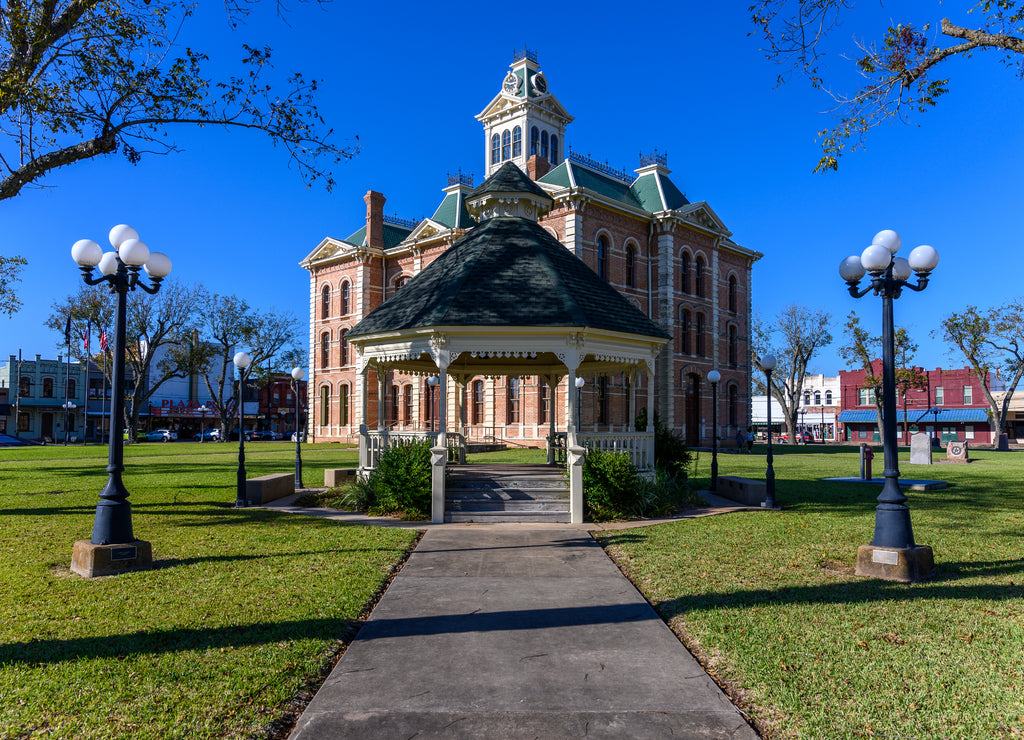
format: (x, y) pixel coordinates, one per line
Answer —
(374, 219)
(537, 167)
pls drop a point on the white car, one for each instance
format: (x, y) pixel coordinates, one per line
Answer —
(162, 435)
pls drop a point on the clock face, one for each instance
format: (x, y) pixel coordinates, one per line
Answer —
(540, 83)
(511, 84)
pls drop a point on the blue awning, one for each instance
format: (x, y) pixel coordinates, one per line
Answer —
(918, 416)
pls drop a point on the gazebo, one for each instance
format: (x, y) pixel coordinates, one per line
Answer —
(508, 299)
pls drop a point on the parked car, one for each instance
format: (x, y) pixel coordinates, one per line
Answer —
(294, 438)
(161, 435)
(804, 437)
(267, 435)
(233, 435)
(209, 435)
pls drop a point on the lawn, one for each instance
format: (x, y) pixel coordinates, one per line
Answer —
(769, 602)
(243, 612)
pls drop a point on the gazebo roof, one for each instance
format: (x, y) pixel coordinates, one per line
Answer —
(507, 272)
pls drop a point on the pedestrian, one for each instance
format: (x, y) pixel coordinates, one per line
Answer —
(740, 439)
(750, 440)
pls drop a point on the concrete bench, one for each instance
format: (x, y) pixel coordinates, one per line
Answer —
(334, 477)
(259, 491)
(745, 491)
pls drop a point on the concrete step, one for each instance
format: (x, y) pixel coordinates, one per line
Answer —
(508, 494)
(491, 517)
(526, 505)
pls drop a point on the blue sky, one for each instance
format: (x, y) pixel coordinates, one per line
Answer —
(684, 78)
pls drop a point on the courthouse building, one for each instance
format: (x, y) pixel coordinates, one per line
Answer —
(670, 257)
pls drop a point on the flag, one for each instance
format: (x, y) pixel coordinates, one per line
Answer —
(85, 337)
(103, 340)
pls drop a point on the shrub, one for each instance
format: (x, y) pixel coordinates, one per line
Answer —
(614, 489)
(670, 452)
(400, 484)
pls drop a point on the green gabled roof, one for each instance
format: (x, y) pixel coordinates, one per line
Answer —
(610, 187)
(656, 192)
(393, 236)
(559, 176)
(508, 272)
(452, 212)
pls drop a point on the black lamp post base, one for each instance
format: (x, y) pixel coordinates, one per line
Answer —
(91, 561)
(903, 564)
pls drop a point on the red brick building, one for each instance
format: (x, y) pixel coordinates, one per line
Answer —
(951, 406)
(277, 404)
(672, 258)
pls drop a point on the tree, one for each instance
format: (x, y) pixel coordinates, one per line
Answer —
(900, 72)
(85, 78)
(158, 337)
(991, 342)
(10, 273)
(793, 337)
(229, 324)
(862, 351)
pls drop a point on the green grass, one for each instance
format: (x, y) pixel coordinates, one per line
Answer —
(243, 610)
(769, 602)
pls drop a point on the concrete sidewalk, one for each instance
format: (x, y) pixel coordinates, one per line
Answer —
(509, 631)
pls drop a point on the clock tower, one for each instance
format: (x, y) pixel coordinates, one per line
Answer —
(524, 119)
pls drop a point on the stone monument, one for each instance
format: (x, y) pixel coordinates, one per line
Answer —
(956, 452)
(1004, 443)
(920, 449)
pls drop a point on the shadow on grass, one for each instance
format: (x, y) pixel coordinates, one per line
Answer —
(42, 652)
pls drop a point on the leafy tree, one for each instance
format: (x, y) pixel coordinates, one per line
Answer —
(901, 71)
(229, 325)
(793, 337)
(158, 336)
(991, 342)
(10, 271)
(862, 351)
(85, 78)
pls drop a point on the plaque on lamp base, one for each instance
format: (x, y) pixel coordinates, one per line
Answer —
(903, 564)
(90, 561)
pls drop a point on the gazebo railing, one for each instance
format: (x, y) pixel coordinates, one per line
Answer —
(373, 443)
(638, 445)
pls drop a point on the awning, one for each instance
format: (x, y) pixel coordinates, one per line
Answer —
(918, 416)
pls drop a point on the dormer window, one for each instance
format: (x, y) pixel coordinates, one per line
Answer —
(495, 149)
(534, 140)
(506, 145)
(554, 149)
(543, 144)
(517, 142)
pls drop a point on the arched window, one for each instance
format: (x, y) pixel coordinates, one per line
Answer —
(602, 400)
(684, 332)
(554, 149)
(517, 141)
(71, 388)
(407, 411)
(817, 398)
(346, 292)
(734, 407)
(698, 277)
(325, 406)
(47, 387)
(534, 140)
(543, 402)
(543, 144)
(343, 405)
(25, 387)
(506, 145)
(828, 398)
(325, 350)
(807, 398)
(325, 302)
(344, 347)
(700, 335)
(478, 402)
(400, 281)
(684, 273)
(733, 345)
(495, 149)
(395, 402)
(512, 402)
(630, 266)
(733, 304)
(602, 257)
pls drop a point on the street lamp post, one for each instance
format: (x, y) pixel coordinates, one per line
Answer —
(113, 547)
(242, 361)
(580, 382)
(432, 382)
(202, 423)
(69, 409)
(892, 554)
(713, 377)
(297, 375)
(768, 362)
(803, 424)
